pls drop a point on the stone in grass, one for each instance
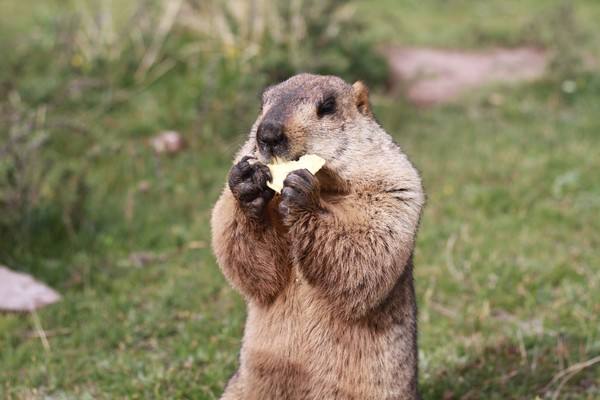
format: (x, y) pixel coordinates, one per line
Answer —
(168, 142)
(433, 76)
(19, 292)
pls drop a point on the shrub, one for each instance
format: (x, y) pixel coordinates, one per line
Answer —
(179, 63)
(22, 170)
(31, 183)
(559, 30)
(282, 38)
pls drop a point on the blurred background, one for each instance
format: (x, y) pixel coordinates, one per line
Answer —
(118, 121)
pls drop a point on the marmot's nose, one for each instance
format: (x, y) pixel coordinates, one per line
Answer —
(270, 133)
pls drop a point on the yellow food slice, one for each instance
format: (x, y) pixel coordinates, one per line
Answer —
(280, 170)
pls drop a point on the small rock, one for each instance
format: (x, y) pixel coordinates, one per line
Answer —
(19, 292)
(496, 99)
(143, 186)
(168, 142)
(569, 86)
(142, 258)
(197, 244)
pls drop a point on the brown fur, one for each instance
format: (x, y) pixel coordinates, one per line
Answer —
(329, 284)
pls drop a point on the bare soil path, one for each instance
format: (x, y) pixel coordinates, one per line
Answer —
(432, 76)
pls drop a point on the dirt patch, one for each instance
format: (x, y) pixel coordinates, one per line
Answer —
(432, 76)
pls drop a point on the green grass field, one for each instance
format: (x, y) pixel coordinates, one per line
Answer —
(507, 260)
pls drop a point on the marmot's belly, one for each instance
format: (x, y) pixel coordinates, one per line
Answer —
(296, 350)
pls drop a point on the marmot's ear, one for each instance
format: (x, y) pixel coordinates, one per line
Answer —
(361, 98)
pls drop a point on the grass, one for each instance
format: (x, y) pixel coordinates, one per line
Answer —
(508, 268)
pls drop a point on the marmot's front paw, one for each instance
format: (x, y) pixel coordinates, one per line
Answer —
(300, 193)
(248, 183)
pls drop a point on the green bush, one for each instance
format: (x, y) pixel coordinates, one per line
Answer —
(33, 185)
(175, 64)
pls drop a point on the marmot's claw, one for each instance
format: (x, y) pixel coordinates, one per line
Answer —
(300, 192)
(246, 158)
(301, 179)
(248, 183)
(256, 207)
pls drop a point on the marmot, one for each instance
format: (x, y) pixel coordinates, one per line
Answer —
(325, 267)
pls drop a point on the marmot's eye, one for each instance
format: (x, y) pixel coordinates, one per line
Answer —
(326, 107)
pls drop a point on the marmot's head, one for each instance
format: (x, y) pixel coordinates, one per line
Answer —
(310, 114)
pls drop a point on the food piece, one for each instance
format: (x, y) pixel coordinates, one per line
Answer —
(280, 170)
